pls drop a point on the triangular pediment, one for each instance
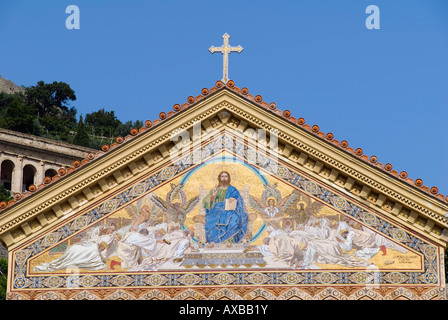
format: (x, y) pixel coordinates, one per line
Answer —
(293, 180)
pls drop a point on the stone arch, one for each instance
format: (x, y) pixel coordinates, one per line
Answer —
(50, 173)
(6, 171)
(29, 176)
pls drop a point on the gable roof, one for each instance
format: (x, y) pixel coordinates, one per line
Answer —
(387, 168)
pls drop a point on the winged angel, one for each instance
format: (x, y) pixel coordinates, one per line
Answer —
(142, 212)
(304, 208)
(272, 206)
(175, 206)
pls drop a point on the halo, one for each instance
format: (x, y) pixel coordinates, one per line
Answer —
(225, 167)
(271, 198)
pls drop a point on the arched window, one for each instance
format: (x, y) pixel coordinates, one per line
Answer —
(28, 176)
(6, 170)
(50, 173)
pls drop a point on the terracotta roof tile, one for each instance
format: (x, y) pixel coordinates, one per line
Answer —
(257, 99)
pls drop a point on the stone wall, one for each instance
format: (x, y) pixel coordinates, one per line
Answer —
(19, 151)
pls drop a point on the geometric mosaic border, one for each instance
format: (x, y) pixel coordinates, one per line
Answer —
(239, 293)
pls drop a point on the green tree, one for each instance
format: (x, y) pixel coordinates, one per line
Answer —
(103, 127)
(15, 114)
(52, 102)
(124, 128)
(102, 123)
(5, 195)
(50, 98)
(82, 137)
(44, 110)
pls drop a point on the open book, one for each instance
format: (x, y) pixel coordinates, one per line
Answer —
(230, 204)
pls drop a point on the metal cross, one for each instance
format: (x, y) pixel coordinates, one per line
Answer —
(225, 49)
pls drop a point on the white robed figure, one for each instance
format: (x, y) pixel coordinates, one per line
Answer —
(365, 243)
(89, 254)
(328, 251)
(382, 241)
(273, 232)
(137, 242)
(171, 247)
(136, 246)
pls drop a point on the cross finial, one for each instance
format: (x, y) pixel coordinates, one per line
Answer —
(225, 49)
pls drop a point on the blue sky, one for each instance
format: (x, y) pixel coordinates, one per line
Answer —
(385, 90)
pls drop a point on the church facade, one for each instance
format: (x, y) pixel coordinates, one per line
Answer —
(227, 197)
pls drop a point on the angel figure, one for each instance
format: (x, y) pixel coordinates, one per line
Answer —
(272, 206)
(175, 206)
(142, 213)
(303, 208)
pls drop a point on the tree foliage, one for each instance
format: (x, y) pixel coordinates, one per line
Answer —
(5, 194)
(103, 127)
(16, 114)
(44, 110)
(52, 103)
(81, 137)
(50, 98)
(103, 123)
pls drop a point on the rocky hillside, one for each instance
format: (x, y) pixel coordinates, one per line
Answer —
(9, 87)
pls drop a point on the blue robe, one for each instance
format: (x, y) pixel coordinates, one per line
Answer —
(221, 224)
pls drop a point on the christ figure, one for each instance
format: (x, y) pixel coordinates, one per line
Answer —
(225, 218)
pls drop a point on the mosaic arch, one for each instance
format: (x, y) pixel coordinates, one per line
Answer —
(281, 228)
